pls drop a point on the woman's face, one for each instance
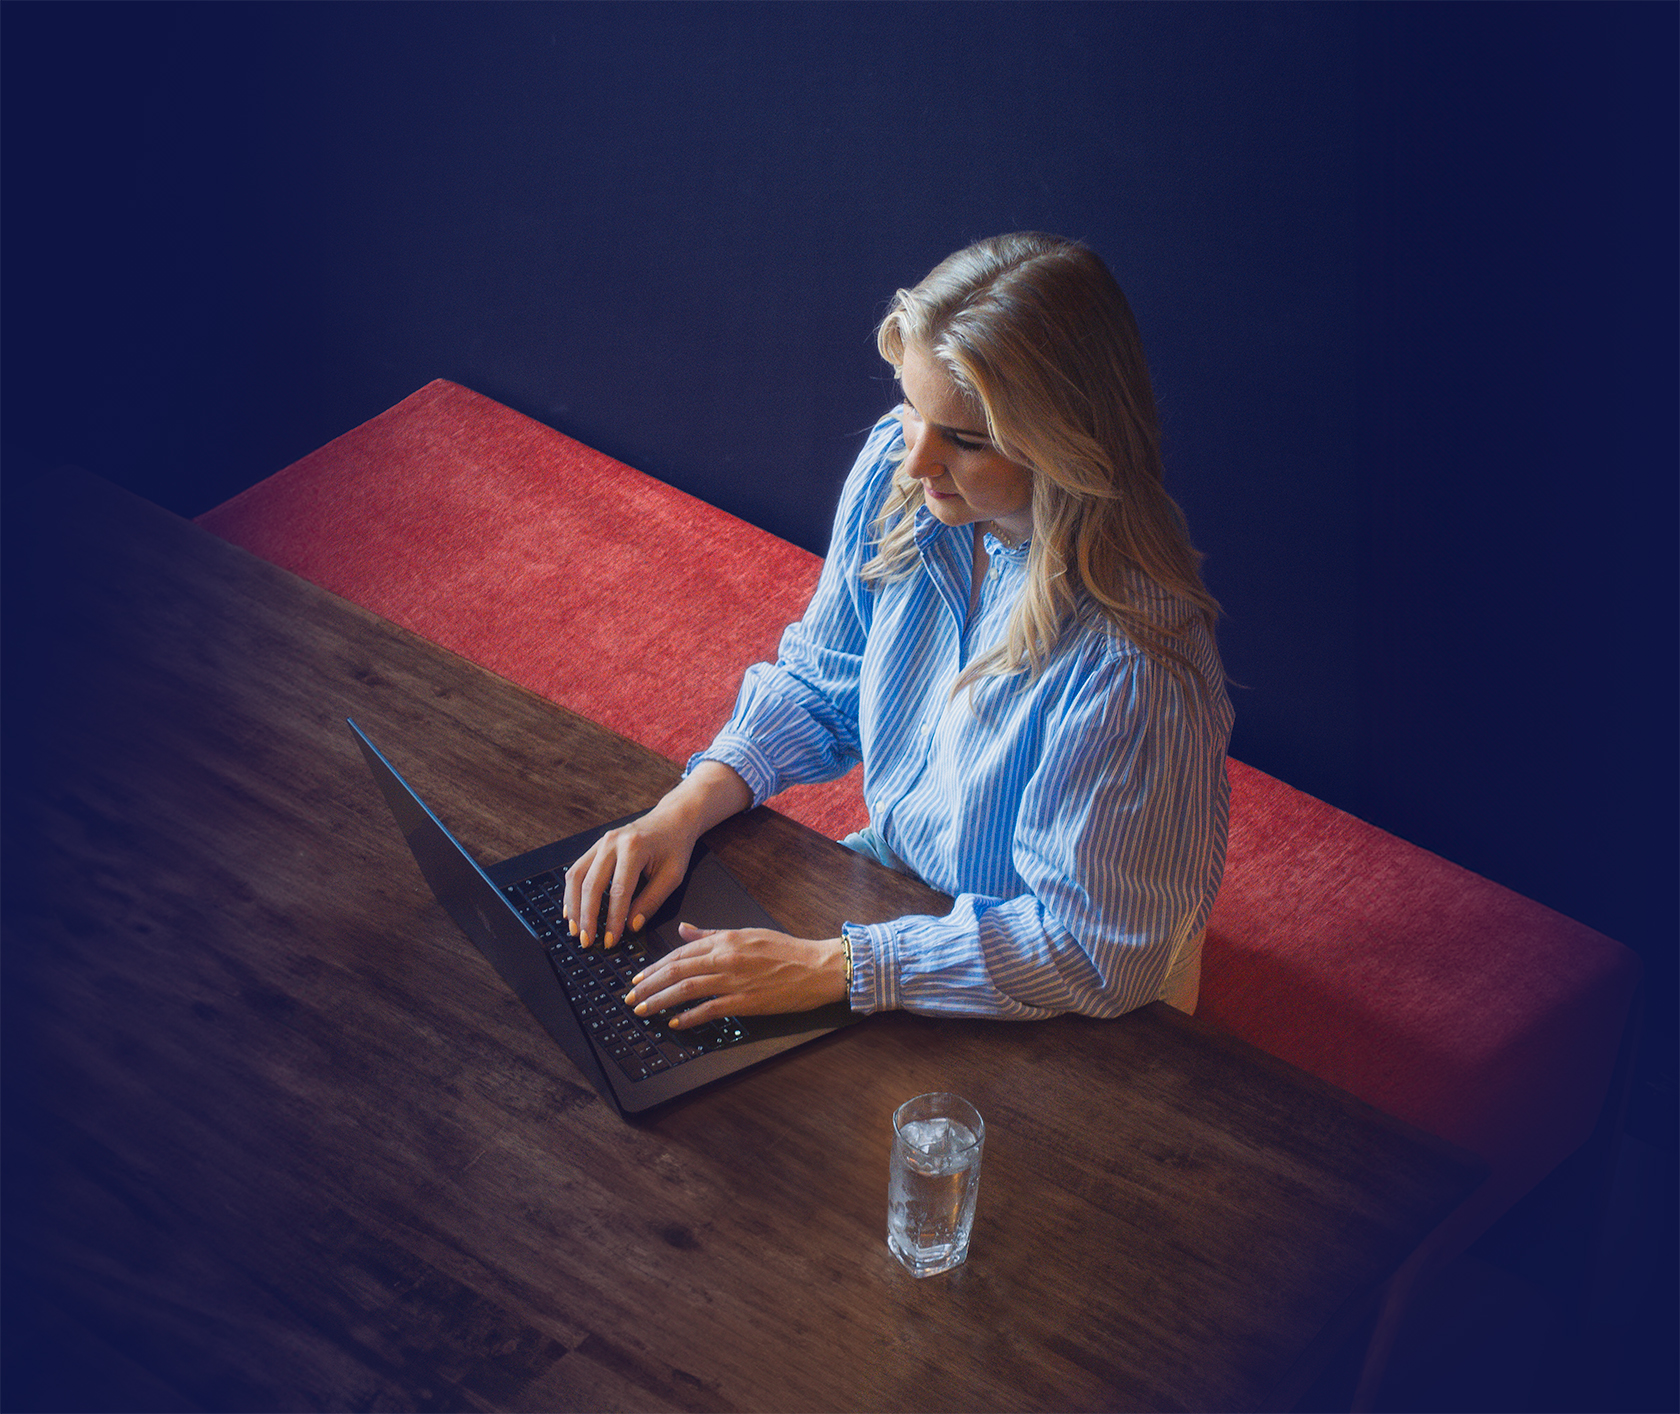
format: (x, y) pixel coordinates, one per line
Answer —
(964, 477)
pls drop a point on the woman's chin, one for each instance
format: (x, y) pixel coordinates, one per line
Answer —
(948, 510)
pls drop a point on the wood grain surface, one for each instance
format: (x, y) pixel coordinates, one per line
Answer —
(277, 1137)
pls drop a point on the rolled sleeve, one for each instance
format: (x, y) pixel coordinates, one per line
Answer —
(873, 970)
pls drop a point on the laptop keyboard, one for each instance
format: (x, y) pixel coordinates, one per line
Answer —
(596, 979)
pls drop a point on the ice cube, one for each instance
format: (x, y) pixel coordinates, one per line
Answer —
(938, 1138)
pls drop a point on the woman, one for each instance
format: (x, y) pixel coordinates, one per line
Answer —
(1010, 632)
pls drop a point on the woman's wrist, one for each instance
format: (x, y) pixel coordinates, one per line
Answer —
(707, 796)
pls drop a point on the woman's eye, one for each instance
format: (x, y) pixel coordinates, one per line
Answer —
(968, 446)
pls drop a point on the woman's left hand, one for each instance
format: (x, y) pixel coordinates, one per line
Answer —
(740, 972)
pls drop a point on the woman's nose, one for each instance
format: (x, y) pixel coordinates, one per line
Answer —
(919, 461)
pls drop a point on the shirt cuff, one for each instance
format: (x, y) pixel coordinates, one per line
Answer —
(743, 756)
(874, 966)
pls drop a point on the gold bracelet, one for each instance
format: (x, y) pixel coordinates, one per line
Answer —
(846, 943)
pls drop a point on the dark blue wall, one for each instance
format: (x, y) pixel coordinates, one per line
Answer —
(1406, 276)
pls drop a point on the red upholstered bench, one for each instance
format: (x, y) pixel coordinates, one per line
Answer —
(1436, 995)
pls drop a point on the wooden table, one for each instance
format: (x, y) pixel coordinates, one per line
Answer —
(277, 1137)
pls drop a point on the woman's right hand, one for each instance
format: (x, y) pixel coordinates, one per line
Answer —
(626, 874)
(624, 877)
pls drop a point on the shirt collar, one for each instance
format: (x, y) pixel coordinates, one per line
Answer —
(1018, 553)
(928, 527)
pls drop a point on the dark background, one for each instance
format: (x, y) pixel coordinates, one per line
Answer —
(1406, 275)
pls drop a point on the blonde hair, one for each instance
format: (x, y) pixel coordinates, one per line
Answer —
(1035, 331)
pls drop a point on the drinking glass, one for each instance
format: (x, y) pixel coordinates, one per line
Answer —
(933, 1180)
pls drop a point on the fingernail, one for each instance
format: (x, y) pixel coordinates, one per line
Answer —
(638, 977)
(630, 997)
(573, 922)
(641, 1008)
(638, 923)
(609, 940)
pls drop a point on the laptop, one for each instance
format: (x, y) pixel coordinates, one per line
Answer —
(511, 911)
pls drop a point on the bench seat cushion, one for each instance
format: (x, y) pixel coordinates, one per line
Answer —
(1426, 990)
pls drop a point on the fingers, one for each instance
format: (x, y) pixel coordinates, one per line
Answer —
(681, 976)
(658, 886)
(599, 887)
(574, 889)
(598, 869)
(626, 873)
(621, 880)
(596, 885)
(686, 977)
(739, 972)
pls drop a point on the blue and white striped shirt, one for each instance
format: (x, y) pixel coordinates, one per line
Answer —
(1078, 820)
